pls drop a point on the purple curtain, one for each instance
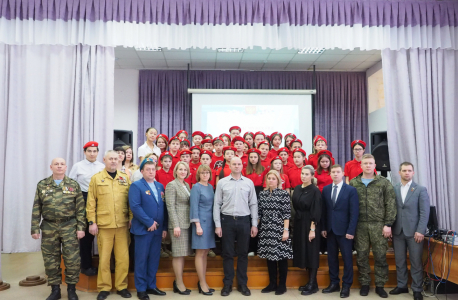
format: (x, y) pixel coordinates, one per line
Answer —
(340, 103)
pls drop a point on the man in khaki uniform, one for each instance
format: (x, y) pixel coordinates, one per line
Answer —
(108, 217)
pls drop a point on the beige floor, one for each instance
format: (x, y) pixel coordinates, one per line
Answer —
(15, 267)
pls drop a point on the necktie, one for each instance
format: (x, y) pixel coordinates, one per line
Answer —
(334, 196)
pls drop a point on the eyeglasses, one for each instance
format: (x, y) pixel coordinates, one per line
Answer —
(358, 149)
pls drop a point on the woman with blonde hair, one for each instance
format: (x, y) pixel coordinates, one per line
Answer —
(306, 243)
(274, 212)
(177, 194)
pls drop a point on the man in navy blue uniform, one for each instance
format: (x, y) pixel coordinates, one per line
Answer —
(339, 219)
(149, 225)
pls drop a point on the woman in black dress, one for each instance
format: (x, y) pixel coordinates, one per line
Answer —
(274, 210)
(306, 243)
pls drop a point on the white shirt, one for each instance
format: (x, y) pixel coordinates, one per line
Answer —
(405, 190)
(339, 187)
(145, 149)
(83, 170)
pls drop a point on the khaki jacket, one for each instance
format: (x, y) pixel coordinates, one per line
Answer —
(108, 201)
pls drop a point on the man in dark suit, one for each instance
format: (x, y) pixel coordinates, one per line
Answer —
(149, 225)
(412, 202)
(339, 219)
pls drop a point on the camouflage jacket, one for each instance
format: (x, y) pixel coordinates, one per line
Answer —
(55, 202)
(377, 201)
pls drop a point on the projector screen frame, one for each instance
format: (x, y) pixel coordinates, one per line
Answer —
(252, 91)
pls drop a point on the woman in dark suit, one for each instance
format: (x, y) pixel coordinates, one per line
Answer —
(177, 195)
(203, 227)
(306, 238)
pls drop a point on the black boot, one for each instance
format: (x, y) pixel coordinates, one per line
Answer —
(55, 293)
(272, 268)
(283, 270)
(71, 291)
(312, 286)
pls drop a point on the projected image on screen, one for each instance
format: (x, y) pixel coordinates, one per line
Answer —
(266, 118)
(285, 113)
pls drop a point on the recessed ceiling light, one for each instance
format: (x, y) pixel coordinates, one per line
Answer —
(311, 51)
(158, 49)
(231, 50)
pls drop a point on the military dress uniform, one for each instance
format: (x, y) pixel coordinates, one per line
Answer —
(108, 207)
(63, 211)
(377, 208)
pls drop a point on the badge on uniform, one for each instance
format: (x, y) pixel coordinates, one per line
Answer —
(122, 181)
(64, 190)
(148, 192)
(412, 189)
(162, 195)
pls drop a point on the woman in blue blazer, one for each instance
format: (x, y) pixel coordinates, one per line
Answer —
(149, 225)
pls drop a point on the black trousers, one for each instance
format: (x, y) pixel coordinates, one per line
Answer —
(235, 229)
(86, 244)
(283, 271)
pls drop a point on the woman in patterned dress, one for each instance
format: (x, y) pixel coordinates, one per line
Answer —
(274, 210)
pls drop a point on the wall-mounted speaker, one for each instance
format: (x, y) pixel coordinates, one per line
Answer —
(379, 146)
(122, 138)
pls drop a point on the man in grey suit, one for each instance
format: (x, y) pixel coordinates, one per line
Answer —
(412, 202)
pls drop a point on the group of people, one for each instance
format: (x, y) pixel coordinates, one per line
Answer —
(247, 191)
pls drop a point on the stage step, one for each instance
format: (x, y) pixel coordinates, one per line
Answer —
(257, 274)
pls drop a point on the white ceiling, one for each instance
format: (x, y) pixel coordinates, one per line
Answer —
(251, 59)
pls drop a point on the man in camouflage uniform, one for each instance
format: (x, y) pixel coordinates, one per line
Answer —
(58, 199)
(377, 212)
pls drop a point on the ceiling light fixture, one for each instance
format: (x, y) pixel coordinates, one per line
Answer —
(230, 50)
(310, 50)
(158, 49)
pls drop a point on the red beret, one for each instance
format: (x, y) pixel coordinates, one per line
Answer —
(174, 138)
(291, 135)
(276, 132)
(299, 150)
(194, 148)
(185, 140)
(249, 146)
(358, 142)
(182, 131)
(209, 135)
(164, 154)
(163, 136)
(253, 150)
(238, 139)
(226, 135)
(327, 152)
(283, 149)
(319, 138)
(91, 144)
(185, 151)
(198, 133)
(248, 132)
(267, 136)
(229, 148)
(276, 157)
(235, 128)
(263, 143)
(295, 141)
(206, 152)
(216, 139)
(205, 141)
(261, 133)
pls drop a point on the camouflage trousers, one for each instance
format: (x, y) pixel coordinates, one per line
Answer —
(370, 234)
(59, 238)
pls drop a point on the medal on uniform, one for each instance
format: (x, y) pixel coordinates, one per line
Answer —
(148, 192)
(412, 189)
(103, 180)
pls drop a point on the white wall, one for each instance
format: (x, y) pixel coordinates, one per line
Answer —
(126, 102)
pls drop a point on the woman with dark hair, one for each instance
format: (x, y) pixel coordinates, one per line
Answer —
(122, 160)
(149, 145)
(254, 169)
(275, 142)
(353, 167)
(288, 138)
(224, 170)
(319, 143)
(249, 137)
(323, 171)
(306, 238)
(129, 162)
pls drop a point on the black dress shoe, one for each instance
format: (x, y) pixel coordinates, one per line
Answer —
(156, 292)
(209, 293)
(176, 290)
(311, 289)
(243, 289)
(381, 292)
(227, 289)
(345, 293)
(281, 289)
(303, 287)
(417, 296)
(124, 293)
(103, 295)
(89, 271)
(270, 288)
(364, 290)
(398, 290)
(333, 287)
(142, 295)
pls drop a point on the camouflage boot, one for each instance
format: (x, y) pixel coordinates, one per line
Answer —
(55, 293)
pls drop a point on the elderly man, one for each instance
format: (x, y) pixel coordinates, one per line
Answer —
(108, 218)
(59, 201)
(235, 208)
